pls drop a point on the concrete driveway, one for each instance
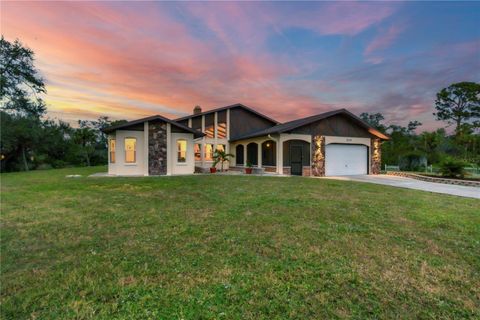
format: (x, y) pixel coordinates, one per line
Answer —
(402, 182)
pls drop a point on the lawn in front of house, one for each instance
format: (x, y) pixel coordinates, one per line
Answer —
(233, 247)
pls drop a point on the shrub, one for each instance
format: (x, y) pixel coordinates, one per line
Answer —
(412, 161)
(452, 168)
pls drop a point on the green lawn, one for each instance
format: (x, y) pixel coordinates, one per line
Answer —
(233, 247)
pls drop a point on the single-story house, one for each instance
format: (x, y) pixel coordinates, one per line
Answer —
(330, 143)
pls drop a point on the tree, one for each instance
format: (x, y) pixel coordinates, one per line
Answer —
(86, 137)
(412, 126)
(459, 105)
(20, 82)
(375, 120)
(221, 156)
(20, 89)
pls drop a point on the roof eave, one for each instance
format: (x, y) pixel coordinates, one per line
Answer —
(196, 133)
(236, 105)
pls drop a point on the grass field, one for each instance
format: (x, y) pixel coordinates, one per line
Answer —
(233, 247)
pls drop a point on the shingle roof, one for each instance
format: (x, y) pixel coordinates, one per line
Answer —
(288, 126)
(236, 105)
(151, 118)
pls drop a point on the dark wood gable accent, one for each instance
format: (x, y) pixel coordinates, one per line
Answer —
(197, 123)
(134, 127)
(337, 125)
(243, 122)
(184, 122)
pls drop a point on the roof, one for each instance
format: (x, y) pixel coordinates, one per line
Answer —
(291, 125)
(196, 133)
(237, 105)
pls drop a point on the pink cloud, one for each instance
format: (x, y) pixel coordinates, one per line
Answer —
(92, 55)
(344, 18)
(381, 42)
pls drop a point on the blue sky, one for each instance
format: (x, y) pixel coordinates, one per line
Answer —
(286, 59)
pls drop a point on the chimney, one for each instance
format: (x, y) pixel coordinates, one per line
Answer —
(197, 110)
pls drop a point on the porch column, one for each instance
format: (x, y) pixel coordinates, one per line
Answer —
(169, 149)
(145, 148)
(244, 155)
(280, 155)
(227, 146)
(202, 151)
(259, 153)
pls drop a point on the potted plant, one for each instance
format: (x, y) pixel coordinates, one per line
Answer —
(221, 157)
(249, 168)
(213, 169)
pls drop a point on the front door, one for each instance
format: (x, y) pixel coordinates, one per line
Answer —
(296, 160)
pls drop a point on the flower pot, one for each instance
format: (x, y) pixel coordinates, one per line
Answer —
(248, 170)
(213, 170)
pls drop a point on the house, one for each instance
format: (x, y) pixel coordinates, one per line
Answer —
(330, 143)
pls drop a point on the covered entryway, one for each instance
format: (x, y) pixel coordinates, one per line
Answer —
(346, 159)
(296, 160)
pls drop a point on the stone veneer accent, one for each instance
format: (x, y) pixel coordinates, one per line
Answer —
(318, 156)
(376, 165)
(157, 148)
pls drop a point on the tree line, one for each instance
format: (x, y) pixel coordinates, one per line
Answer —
(31, 140)
(457, 105)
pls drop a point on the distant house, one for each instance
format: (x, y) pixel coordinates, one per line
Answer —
(331, 143)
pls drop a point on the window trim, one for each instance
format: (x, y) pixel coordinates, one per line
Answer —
(200, 152)
(110, 151)
(186, 151)
(134, 151)
(212, 152)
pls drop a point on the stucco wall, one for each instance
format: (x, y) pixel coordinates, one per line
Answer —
(120, 167)
(187, 167)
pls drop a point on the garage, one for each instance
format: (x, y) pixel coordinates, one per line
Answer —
(346, 159)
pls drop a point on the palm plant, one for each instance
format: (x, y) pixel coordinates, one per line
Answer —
(221, 156)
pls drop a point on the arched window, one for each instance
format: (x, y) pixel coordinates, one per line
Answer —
(239, 155)
(181, 150)
(269, 153)
(252, 154)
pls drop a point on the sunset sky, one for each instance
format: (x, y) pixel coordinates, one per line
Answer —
(132, 59)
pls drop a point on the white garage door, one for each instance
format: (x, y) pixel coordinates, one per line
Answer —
(345, 159)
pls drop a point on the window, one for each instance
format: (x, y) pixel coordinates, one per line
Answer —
(222, 124)
(220, 147)
(208, 152)
(222, 130)
(130, 150)
(182, 150)
(198, 152)
(112, 150)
